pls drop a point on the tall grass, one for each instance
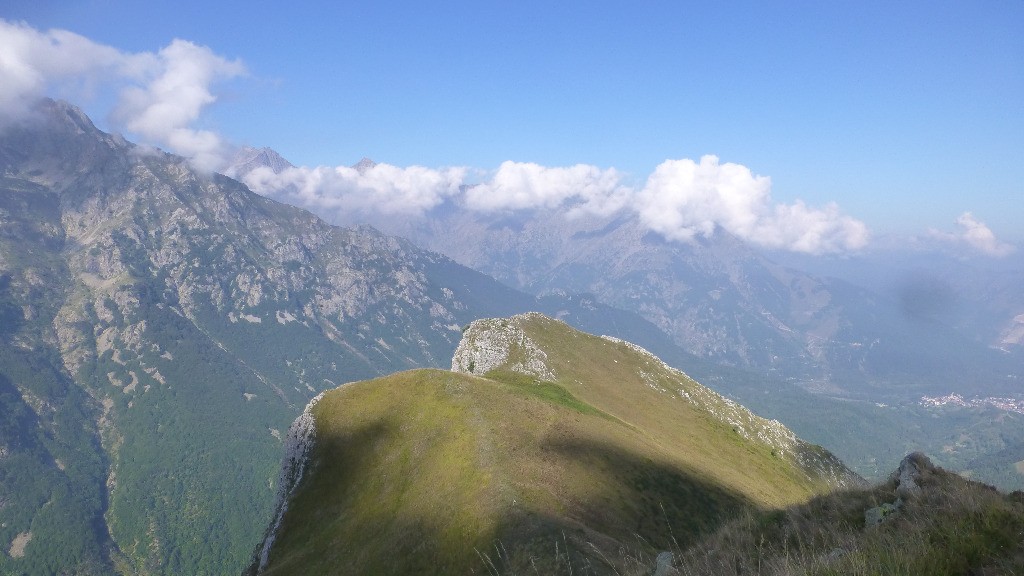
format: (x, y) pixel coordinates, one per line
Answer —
(955, 527)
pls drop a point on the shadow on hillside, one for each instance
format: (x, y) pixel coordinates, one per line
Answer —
(610, 510)
(638, 507)
(653, 495)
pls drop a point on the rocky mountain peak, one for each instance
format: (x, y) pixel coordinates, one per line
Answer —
(247, 159)
(363, 165)
(70, 115)
(55, 143)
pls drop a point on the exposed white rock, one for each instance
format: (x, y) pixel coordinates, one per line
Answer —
(133, 384)
(490, 343)
(297, 444)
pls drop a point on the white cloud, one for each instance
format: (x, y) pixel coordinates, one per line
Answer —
(526, 186)
(414, 190)
(31, 62)
(161, 95)
(976, 235)
(341, 190)
(164, 109)
(683, 198)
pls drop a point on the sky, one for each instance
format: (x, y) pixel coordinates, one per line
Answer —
(815, 127)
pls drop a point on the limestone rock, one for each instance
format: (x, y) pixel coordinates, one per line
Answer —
(908, 481)
(908, 475)
(875, 516)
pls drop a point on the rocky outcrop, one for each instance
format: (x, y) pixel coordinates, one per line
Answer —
(500, 342)
(908, 476)
(907, 480)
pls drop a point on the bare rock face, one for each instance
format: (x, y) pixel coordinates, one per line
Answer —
(300, 439)
(495, 342)
(908, 475)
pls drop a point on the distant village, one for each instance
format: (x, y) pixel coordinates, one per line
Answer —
(1008, 404)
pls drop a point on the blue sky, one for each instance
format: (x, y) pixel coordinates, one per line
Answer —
(905, 114)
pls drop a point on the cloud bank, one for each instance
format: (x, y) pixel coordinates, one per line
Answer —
(975, 235)
(342, 190)
(681, 200)
(160, 95)
(527, 186)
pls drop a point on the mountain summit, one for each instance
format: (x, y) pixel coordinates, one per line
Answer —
(247, 159)
(540, 435)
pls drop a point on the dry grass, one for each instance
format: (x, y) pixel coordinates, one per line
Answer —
(955, 527)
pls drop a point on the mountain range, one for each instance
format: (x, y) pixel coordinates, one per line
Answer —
(883, 327)
(161, 327)
(843, 349)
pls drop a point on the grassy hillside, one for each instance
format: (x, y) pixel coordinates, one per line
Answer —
(638, 388)
(953, 526)
(598, 467)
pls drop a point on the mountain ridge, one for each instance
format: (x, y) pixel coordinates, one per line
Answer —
(532, 456)
(720, 299)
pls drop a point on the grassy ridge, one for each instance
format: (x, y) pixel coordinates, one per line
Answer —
(417, 472)
(437, 472)
(683, 416)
